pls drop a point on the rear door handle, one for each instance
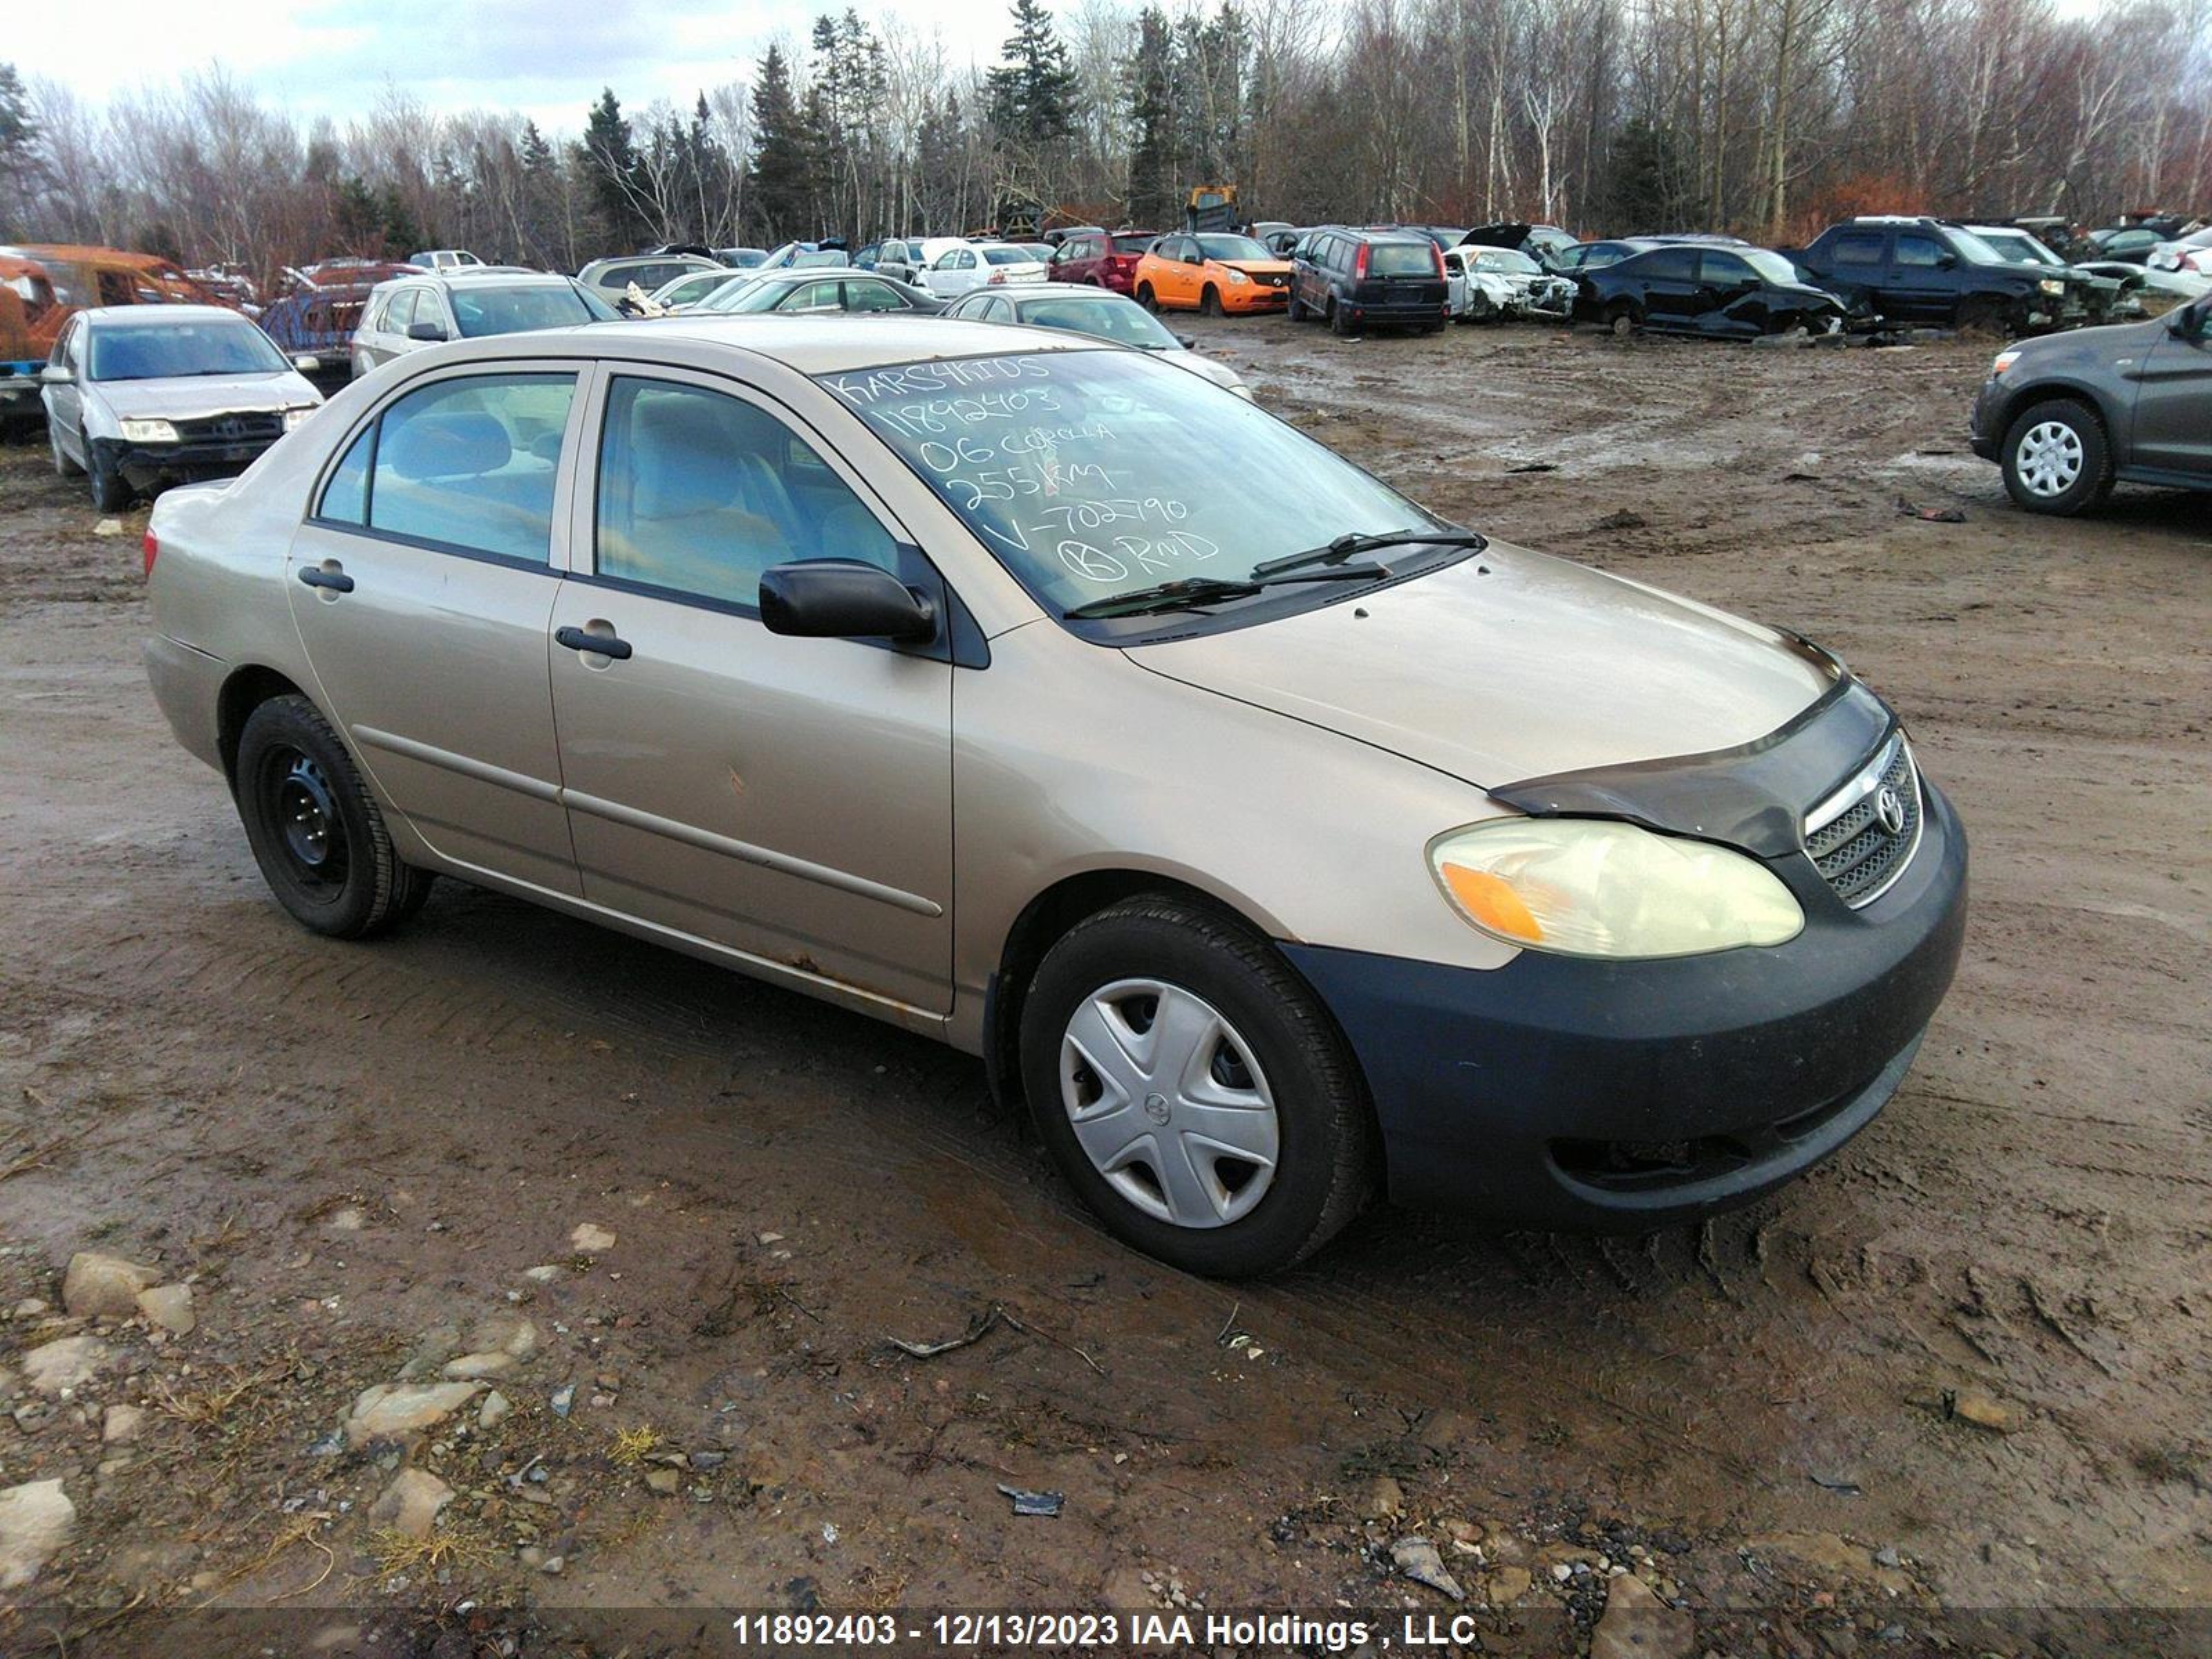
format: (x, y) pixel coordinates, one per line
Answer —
(604, 645)
(316, 576)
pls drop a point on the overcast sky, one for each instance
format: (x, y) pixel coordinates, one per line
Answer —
(546, 57)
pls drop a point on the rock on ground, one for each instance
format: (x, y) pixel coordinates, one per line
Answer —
(390, 1411)
(411, 1504)
(1637, 1625)
(67, 1362)
(36, 1519)
(121, 1425)
(590, 1239)
(169, 1306)
(470, 1366)
(98, 1287)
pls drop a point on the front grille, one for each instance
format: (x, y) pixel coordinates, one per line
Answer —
(1863, 837)
(231, 428)
(1276, 279)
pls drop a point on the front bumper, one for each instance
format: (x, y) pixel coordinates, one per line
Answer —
(1982, 435)
(1254, 296)
(1627, 1096)
(146, 464)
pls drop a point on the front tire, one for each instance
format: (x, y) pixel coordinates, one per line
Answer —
(111, 490)
(1194, 1090)
(316, 831)
(63, 467)
(2056, 459)
(1209, 301)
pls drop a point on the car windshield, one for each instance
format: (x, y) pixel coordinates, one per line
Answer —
(1978, 251)
(1093, 473)
(482, 311)
(1008, 256)
(1232, 248)
(1772, 267)
(2019, 245)
(1107, 316)
(166, 351)
(744, 258)
(1507, 259)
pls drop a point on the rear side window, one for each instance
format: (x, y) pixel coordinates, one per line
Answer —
(1673, 264)
(701, 493)
(466, 464)
(1858, 249)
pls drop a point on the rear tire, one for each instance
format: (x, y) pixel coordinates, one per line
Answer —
(1624, 318)
(316, 831)
(1143, 297)
(1337, 325)
(1246, 1058)
(2056, 459)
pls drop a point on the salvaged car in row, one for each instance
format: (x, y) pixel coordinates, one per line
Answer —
(425, 309)
(2068, 415)
(1211, 272)
(1276, 840)
(1081, 309)
(1497, 284)
(139, 396)
(1722, 292)
(1924, 270)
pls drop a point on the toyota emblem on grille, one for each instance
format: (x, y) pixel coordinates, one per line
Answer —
(1889, 807)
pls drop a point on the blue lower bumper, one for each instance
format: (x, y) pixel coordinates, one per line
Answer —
(1560, 1091)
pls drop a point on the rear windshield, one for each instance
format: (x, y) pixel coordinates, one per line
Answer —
(1133, 244)
(1008, 256)
(1108, 317)
(1401, 259)
(481, 311)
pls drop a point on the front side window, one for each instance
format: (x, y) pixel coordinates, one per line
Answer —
(871, 296)
(1079, 470)
(811, 296)
(1919, 252)
(700, 492)
(469, 464)
(1673, 264)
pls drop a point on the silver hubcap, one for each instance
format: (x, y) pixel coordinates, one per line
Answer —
(1169, 1104)
(2050, 459)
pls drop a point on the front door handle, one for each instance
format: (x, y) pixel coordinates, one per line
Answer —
(604, 645)
(316, 575)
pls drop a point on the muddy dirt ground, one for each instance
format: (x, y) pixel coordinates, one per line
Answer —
(353, 1155)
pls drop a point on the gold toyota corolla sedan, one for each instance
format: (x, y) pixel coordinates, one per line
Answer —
(1279, 843)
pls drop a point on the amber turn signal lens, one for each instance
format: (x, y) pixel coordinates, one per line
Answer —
(1488, 900)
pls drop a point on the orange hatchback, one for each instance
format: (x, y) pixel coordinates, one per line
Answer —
(1212, 272)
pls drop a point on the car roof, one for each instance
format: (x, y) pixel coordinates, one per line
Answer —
(158, 315)
(804, 343)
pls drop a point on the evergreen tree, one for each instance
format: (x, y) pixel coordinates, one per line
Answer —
(612, 167)
(1032, 91)
(782, 186)
(1149, 82)
(20, 166)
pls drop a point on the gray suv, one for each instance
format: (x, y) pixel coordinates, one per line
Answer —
(413, 312)
(2067, 416)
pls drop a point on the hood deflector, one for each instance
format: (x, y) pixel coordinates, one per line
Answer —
(1754, 796)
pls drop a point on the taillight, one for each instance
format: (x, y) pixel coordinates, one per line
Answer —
(1360, 267)
(150, 547)
(1439, 253)
(996, 277)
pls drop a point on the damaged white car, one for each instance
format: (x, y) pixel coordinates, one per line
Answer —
(1494, 284)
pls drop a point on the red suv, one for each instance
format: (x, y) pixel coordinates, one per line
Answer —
(1102, 261)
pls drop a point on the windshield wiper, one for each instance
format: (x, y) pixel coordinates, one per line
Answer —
(1190, 592)
(1344, 547)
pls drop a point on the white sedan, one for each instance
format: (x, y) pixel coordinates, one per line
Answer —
(967, 265)
(137, 395)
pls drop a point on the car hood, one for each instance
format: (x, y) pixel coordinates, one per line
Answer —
(1258, 267)
(1512, 665)
(190, 398)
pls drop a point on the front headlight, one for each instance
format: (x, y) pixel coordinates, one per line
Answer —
(148, 432)
(1588, 887)
(293, 418)
(1238, 276)
(2005, 360)
(2051, 285)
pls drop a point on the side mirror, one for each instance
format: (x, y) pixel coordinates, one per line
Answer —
(843, 600)
(2187, 323)
(306, 365)
(1946, 260)
(425, 331)
(57, 375)
(1187, 342)
(1193, 259)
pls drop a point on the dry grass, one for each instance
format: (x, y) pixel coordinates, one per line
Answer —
(397, 1555)
(633, 1446)
(222, 1405)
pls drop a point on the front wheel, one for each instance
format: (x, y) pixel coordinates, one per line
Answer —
(111, 490)
(2055, 459)
(316, 831)
(1194, 1090)
(1209, 301)
(63, 467)
(1296, 310)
